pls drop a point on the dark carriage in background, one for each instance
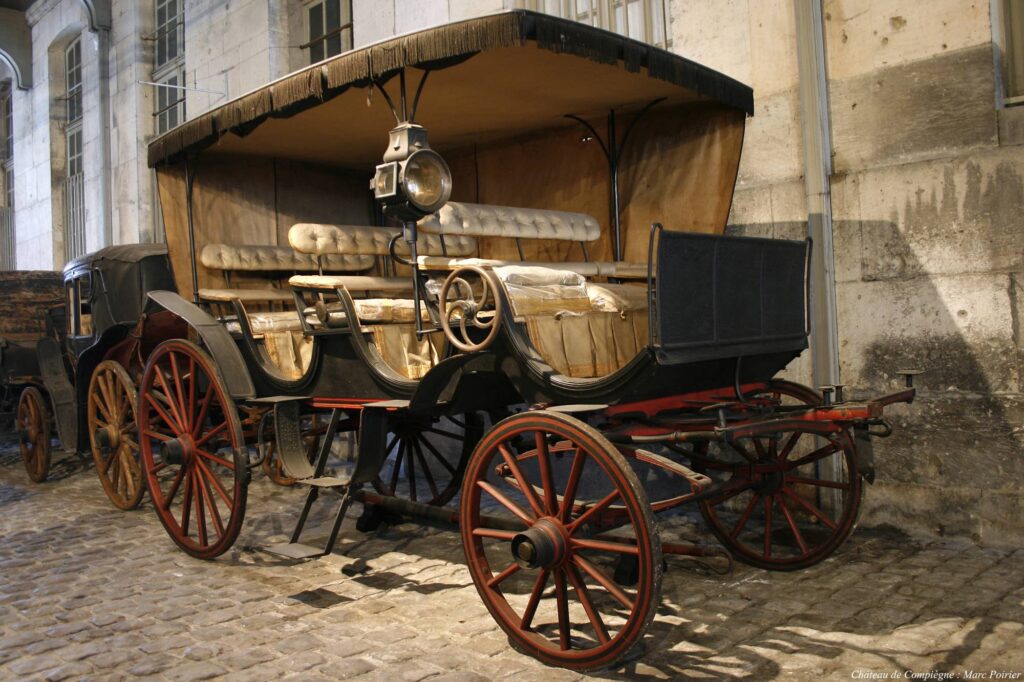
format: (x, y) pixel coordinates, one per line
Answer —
(75, 377)
(497, 311)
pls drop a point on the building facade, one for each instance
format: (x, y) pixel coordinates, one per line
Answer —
(891, 127)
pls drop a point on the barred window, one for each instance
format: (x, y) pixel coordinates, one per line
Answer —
(169, 64)
(329, 28)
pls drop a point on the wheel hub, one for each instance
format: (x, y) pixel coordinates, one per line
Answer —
(769, 482)
(176, 451)
(543, 545)
(108, 437)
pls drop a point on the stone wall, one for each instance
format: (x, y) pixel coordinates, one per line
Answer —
(927, 195)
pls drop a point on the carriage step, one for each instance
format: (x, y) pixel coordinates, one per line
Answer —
(294, 550)
(698, 482)
(326, 482)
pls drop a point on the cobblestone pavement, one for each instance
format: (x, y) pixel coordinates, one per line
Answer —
(93, 592)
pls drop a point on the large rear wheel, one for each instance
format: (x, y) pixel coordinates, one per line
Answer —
(34, 433)
(532, 490)
(113, 434)
(193, 451)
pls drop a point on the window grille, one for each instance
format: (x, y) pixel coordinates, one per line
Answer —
(74, 180)
(329, 29)
(169, 64)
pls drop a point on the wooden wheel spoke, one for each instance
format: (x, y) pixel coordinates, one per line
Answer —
(562, 606)
(426, 470)
(767, 525)
(397, 466)
(583, 595)
(167, 419)
(820, 453)
(218, 486)
(509, 570)
(200, 508)
(159, 373)
(218, 523)
(442, 432)
(216, 458)
(535, 595)
(604, 546)
(790, 444)
(175, 484)
(217, 430)
(156, 434)
(192, 388)
(494, 533)
(569, 496)
(410, 469)
(185, 416)
(507, 503)
(525, 486)
(546, 479)
(744, 517)
(759, 448)
(593, 511)
(440, 458)
(604, 581)
(818, 482)
(204, 407)
(811, 509)
(186, 502)
(797, 535)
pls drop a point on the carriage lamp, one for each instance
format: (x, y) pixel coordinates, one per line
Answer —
(414, 180)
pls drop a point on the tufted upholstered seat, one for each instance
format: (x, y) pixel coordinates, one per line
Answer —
(267, 258)
(481, 220)
(328, 240)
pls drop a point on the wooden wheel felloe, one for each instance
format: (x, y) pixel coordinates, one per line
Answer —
(113, 434)
(532, 488)
(801, 499)
(33, 423)
(426, 458)
(193, 451)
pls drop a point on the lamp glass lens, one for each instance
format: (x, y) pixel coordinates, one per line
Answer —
(386, 180)
(426, 179)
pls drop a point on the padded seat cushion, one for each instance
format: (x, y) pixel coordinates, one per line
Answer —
(483, 220)
(351, 282)
(616, 298)
(245, 295)
(266, 258)
(537, 291)
(349, 240)
(586, 268)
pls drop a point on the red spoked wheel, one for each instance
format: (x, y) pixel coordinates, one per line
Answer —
(531, 490)
(193, 452)
(33, 423)
(801, 497)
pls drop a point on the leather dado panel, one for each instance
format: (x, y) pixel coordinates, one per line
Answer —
(266, 258)
(319, 239)
(482, 220)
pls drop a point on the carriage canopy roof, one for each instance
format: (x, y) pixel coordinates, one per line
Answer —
(517, 71)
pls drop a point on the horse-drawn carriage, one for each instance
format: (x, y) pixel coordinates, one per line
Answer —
(478, 288)
(75, 375)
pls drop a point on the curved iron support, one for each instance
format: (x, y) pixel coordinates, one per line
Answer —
(416, 98)
(391, 102)
(613, 154)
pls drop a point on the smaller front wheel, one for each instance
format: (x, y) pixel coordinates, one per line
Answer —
(193, 452)
(34, 433)
(533, 491)
(113, 434)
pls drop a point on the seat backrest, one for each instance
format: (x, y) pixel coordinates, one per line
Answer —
(483, 220)
(358, 240)
(267, 258)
